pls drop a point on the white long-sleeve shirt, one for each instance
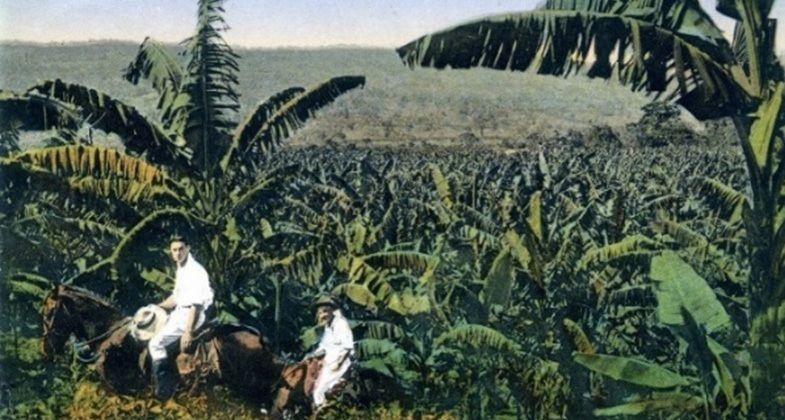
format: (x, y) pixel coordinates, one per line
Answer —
(337, 340)
(192, 285)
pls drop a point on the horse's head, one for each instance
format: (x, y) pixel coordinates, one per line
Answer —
(70, 311)
(58, 322)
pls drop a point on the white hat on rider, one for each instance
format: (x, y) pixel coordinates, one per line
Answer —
(147, 321)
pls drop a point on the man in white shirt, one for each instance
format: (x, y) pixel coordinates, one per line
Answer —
(337, 346)
(189, 300)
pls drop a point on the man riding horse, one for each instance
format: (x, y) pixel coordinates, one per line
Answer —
(336, 348)
(235, 354)
(322, 370)
(189, 300)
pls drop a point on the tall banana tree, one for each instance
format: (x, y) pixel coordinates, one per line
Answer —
(195, 167)
(674, 49)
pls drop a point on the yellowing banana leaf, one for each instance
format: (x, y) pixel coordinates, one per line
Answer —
(535, 215)
(479, 336)
(407, 303)
(763, 130)
(358, 293)
(582, 342)
(629, 246)
(442, 186)
(631, 370)
(676, 402)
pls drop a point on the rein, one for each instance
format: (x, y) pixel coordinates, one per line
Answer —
(80, 346)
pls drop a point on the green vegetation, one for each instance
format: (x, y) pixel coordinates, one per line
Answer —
(564, 279)
(454, 273)
(672, 48)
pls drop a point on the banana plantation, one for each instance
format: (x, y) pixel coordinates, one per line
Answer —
(565, 281)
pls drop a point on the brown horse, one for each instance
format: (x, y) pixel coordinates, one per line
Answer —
(235, 355)
(69, 310)
(297, 380)
(295, 391)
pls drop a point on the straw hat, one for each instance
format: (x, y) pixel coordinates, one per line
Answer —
(147, 321)
(324, 300)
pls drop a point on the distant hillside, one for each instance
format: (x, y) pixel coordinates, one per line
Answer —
(397, 104)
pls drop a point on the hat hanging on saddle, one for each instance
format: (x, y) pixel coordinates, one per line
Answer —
(147, 321)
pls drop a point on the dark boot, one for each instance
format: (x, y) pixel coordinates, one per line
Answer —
(163, 380)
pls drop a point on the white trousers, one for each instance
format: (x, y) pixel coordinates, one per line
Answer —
(171, 332)
(328, 378)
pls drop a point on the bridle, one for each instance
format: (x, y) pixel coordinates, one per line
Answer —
(80, 347)
(51, 318)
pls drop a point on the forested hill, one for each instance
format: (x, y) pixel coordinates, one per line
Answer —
(397, 105)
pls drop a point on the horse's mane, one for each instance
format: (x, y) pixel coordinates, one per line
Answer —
(93, 314)
(88, 294)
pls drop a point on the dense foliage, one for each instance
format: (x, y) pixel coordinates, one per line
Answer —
(470, 284)
(550, 282)
(674, 49)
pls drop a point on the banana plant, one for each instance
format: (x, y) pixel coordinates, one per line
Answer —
(196, 169)
(463, 365)
(686, 303)
(672, 48)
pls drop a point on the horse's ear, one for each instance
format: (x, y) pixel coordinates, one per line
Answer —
(57, 290)
(52, 296)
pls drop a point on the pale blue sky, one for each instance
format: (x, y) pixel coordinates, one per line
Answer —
(262, 23)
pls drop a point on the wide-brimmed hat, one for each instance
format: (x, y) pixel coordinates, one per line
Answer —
(324, 300)
(147, 321)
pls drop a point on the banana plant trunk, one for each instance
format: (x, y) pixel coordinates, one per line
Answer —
(765, 283)
(763, 272)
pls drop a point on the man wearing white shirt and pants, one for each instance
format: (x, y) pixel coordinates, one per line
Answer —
(190, 299)
(337, 345)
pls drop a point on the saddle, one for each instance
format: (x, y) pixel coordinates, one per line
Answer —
(149, 320)
(301, 375)
(238, 355)
(202, 337)
(298, 379)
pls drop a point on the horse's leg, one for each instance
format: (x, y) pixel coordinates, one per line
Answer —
(117, 363)
(292, 380)
(313, 369)
(281, 402)
(195, 368)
